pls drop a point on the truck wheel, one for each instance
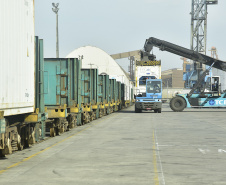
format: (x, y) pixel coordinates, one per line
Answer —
(159, 110)
(156, 111)
(177, 104)
(137, 110)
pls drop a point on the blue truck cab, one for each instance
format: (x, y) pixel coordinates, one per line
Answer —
(152, 99)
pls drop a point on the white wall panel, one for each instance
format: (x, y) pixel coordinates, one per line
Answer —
(16, 56)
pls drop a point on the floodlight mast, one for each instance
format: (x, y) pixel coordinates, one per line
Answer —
(199, 29)
(55, 10)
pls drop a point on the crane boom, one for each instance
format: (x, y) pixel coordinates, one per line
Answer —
(126, 54)
(181, 51)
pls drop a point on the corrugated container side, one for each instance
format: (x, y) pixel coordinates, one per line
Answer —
(89, 84)
(125, 80)
(123, 93)
(17, 56)
(111, 92)
(61, 82)
(107, 88)
(119, 91)
(101, 87)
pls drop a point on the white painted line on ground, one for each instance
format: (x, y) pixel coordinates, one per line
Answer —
(160, 161)
(221, 150)
(191, 145)
(204, 151)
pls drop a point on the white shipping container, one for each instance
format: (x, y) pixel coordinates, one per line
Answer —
(146, 71)
(17, 56)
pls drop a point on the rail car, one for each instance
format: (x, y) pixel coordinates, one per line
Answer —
(22, 110)
(65, 96)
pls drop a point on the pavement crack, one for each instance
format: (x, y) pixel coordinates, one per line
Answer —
(56, 173)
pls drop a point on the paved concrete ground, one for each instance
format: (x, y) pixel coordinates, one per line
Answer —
(126, 148)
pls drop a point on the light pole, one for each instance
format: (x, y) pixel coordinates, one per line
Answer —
(55, 10)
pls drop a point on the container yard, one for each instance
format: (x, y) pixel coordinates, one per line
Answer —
(79, 116)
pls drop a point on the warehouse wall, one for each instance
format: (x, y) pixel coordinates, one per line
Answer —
(177, 79)
(173, 78)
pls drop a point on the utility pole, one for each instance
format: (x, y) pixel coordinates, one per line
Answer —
(55, 10)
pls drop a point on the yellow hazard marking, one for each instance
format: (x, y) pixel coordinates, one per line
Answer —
(156, 178)
(148, 63)
(30, 157)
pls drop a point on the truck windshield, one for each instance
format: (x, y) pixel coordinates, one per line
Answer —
(142, 80)
(154, 87)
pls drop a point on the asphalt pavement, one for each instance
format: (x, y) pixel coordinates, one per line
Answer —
(127, 148)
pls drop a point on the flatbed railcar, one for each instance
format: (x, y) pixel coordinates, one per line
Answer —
(89, 94)
(103, 94)
(62, 93)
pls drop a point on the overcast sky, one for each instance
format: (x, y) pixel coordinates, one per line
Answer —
(118, 26)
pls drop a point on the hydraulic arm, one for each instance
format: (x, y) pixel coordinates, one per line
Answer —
(201, 99)
(181, 51)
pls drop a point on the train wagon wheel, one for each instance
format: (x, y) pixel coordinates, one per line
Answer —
(79, 119)
(31, 139)
(71, 122)
(2, 153)
(52, 132)
(177, 104)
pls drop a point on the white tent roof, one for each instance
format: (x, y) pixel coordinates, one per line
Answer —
(97, 58)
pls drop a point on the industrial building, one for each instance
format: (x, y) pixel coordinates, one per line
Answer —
(173, 78)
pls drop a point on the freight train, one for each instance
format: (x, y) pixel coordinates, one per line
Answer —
(40, 96)
(66, 96)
